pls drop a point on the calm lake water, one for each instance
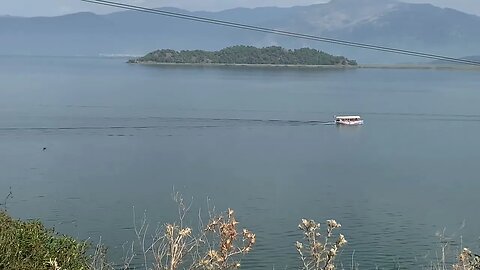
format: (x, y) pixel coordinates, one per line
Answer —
(120, 135)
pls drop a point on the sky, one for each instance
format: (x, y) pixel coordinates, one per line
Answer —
(29, 8)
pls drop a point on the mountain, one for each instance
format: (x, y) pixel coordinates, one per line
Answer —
(382, 22)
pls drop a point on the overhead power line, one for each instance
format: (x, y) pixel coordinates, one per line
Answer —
(284, 33)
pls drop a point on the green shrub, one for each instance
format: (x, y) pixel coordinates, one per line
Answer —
(29, 245)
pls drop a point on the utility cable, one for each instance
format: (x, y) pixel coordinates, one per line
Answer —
(283, 33)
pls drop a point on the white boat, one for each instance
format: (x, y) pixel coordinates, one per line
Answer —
(349, 120)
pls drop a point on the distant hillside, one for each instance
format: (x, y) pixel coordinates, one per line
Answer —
(420, 27)
(273, 55)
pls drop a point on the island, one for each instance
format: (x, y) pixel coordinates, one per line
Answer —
(246, 55)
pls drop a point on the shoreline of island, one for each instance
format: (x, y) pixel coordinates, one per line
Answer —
(420, 66)
(152, 63)
(294, 66)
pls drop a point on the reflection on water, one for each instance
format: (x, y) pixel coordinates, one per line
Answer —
(260, 141)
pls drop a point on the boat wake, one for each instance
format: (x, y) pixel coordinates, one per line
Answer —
(175, 122)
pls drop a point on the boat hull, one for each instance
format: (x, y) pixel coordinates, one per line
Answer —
(349, 123)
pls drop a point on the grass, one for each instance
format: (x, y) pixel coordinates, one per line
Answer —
(27, 245)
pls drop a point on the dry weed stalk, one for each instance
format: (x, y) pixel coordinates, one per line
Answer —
(467, 261)
(229, 246)
(173, 246)
(170, 243)
(224, 231)
(318, 253)
(99, 258)
(5, 201)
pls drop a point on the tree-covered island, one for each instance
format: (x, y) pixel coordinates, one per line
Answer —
(246, 55)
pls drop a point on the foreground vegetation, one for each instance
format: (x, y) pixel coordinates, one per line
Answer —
(246, 55)
(27, 245)
(219, 244)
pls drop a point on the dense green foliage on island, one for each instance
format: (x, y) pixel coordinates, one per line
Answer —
(273, 55)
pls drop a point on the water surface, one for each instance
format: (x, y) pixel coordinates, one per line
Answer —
(257, 140)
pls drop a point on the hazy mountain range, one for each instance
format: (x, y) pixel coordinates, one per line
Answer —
(383, 22)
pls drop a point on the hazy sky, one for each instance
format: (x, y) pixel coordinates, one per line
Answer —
(57, 7)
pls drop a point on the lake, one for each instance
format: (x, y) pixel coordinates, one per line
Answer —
(258, 140)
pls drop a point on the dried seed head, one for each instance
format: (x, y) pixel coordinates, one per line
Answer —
(213, 224)
(333, 252)
(169, 230)
(341, 240)
(332, 223)
(305, 222)
(330, 267)
(212, 254)
(249, 237)
(318, 246)
(185, 232)
(308, 225)
(204, 262)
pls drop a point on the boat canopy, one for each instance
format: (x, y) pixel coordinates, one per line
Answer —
(346, 117)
